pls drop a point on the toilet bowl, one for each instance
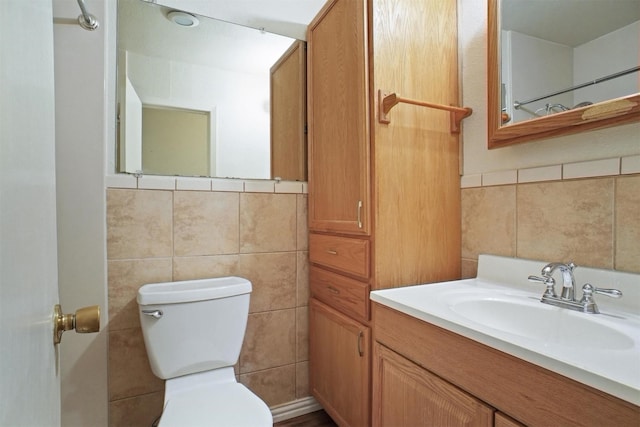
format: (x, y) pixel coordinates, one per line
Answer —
(193, 332)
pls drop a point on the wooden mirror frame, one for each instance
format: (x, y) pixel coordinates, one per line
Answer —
(596, 116)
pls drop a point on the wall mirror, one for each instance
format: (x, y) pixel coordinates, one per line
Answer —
(203, 97)
(557, 67)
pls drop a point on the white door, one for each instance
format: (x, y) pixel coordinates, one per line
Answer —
(29, 381)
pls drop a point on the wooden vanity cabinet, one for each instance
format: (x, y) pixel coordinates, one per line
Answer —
(519, 392)
(501, 420)
(384, 199)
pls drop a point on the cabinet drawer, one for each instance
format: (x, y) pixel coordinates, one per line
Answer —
(342, 253)
(346, 295)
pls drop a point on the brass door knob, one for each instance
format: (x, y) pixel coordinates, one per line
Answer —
(85, 320)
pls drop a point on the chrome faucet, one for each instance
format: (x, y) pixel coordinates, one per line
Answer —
(567, 297)
(568, 281)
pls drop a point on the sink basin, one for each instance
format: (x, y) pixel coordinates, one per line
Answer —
(542, 322)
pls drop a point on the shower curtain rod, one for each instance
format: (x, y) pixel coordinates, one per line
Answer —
(518, 104)
(87, 20)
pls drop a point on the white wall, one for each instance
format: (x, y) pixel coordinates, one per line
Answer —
(611, 53)
(83, 97)
(606, 143)
(551, 70)
(533, 67)
(240, 100)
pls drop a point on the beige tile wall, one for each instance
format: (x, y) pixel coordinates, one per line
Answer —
(163, 235)
(593, 222)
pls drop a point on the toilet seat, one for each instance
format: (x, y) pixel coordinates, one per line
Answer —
(224, 405)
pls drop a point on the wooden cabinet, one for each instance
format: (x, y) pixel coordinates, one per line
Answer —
(338, 118)
(501, 420)
(520, 392)
(407, 395)
(339, 202)
(396, 185)
(341, 388)
(288, 111)
(384, 198)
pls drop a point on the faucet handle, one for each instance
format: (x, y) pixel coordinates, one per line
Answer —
(588, 290)
(548, 281)
(588, 303)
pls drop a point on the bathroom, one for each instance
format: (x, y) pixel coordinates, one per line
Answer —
(104, 376)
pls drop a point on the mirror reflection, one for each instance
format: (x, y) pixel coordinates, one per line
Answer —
(559, 55)
(202, 97)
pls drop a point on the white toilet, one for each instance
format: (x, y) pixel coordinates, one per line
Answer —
(193, 331)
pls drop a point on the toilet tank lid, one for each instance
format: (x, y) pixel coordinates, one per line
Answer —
(192, 290)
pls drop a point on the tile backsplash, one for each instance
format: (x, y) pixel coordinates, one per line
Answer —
(591, 221)
(157, 235)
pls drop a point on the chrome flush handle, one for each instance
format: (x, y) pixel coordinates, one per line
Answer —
(156, 314)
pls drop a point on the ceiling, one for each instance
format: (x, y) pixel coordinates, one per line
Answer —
(568, 22)
(285, 17)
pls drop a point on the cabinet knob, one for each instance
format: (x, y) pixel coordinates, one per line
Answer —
(333, 290)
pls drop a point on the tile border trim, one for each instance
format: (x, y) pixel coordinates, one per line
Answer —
(589, 169)
(148, 182)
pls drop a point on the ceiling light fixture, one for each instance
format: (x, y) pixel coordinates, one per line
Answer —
(182, 18)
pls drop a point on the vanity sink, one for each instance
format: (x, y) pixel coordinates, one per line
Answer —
(530, 319)
(501, 309)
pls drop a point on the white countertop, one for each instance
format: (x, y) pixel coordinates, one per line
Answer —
(612, 367)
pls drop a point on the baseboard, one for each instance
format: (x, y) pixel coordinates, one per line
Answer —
(295, 409)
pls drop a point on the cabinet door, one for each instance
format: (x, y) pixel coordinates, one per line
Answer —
(339, 150)
(503, 420)
(288, 115)
(339, 365)
(404, 394)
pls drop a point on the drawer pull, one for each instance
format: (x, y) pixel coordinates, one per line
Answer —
(332, 252)
(333, 290)
(360, 352)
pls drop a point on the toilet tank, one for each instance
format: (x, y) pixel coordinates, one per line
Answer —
(194, 325)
